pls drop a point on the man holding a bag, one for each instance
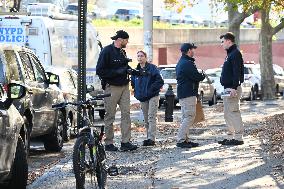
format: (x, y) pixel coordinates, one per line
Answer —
(188, 79)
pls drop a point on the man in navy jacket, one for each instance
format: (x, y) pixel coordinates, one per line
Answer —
(188, 79)
(231, 78)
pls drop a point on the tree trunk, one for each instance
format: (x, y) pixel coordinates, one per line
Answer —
(235, 28)
(267, 74)
(234, 22)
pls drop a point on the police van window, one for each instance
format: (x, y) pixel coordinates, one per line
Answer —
(28, 69)
(39, 74)
(12, 66)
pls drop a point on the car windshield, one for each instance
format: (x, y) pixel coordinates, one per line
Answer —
(168, 74)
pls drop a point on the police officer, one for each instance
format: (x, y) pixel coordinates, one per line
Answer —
(112, 69)
(188, 78)
(231, 78)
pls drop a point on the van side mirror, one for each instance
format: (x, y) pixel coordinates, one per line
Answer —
(16, 91)
(52, 78)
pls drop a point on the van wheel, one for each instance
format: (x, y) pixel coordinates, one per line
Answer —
(67, 129)
(102, 114)
(19, 170)
(54, 140)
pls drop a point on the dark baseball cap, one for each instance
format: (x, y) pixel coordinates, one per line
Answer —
(186, 46)
(120, 34)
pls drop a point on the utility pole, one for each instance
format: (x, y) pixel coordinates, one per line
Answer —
(148, 28)
(82, 19)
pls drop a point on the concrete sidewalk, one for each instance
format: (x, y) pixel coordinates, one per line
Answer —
(210, 166)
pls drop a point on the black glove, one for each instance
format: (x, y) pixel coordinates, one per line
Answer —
(131, 71)
(121, 71)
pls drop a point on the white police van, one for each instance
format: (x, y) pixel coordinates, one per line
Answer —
(54, 39)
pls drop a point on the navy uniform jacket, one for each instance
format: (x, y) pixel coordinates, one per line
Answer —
(233, 69)
(188, 77)
(148, 85)
(112, 66)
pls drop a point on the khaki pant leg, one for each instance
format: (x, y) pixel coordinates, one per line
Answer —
(124, 104)
(110, 107)
(152, 117)
(188, 109)
(232, 115)
(145, 108)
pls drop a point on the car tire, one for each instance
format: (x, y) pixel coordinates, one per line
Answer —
(255, 92)
(26, 135)
(277, 92)
(250, 98)
(214, 100)
(54, 141)
(19, 170)
(102, 114)
(67, 129)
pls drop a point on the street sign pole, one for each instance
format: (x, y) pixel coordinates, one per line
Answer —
(81, 56)
(148, 28)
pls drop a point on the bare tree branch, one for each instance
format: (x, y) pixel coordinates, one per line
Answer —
(279, 27)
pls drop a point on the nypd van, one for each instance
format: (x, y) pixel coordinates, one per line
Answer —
(54, 39)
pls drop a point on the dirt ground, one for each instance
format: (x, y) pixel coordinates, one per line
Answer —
(256, 164)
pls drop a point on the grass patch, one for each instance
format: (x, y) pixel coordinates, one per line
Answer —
(138, 23)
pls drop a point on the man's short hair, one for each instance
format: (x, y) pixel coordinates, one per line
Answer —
(228, 36)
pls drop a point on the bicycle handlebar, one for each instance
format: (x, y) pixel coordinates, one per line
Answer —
(87, 102)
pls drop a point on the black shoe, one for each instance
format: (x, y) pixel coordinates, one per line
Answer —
(193, 144)
(223, 141)
(232, 142)
(236, 142)
(187, 144)
(148, 142)
(128, 146)
(111, 147)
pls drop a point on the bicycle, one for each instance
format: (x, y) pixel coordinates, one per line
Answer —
(88, 152)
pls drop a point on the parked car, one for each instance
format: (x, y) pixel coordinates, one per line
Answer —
(206, 90)
(21, 65)
(68, 85)
(214, 75)
(252, 73)
(72, 8)
(127, 14)
(13, 157)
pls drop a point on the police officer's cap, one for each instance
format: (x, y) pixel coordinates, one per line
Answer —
(120, 34)
(186, 46)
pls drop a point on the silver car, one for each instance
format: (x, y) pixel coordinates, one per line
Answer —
(13, 156)
(206, 90)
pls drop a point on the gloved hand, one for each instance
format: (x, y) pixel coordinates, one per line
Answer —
(121, 71)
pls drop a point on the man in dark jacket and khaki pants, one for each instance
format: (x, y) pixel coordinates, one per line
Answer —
(231, 78)
(112, 68)
(188, 79)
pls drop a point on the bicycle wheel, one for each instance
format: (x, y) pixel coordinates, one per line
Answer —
(81, 161)
(101, 172)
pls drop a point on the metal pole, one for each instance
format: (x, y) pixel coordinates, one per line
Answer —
(148, 28)
(81, 56)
